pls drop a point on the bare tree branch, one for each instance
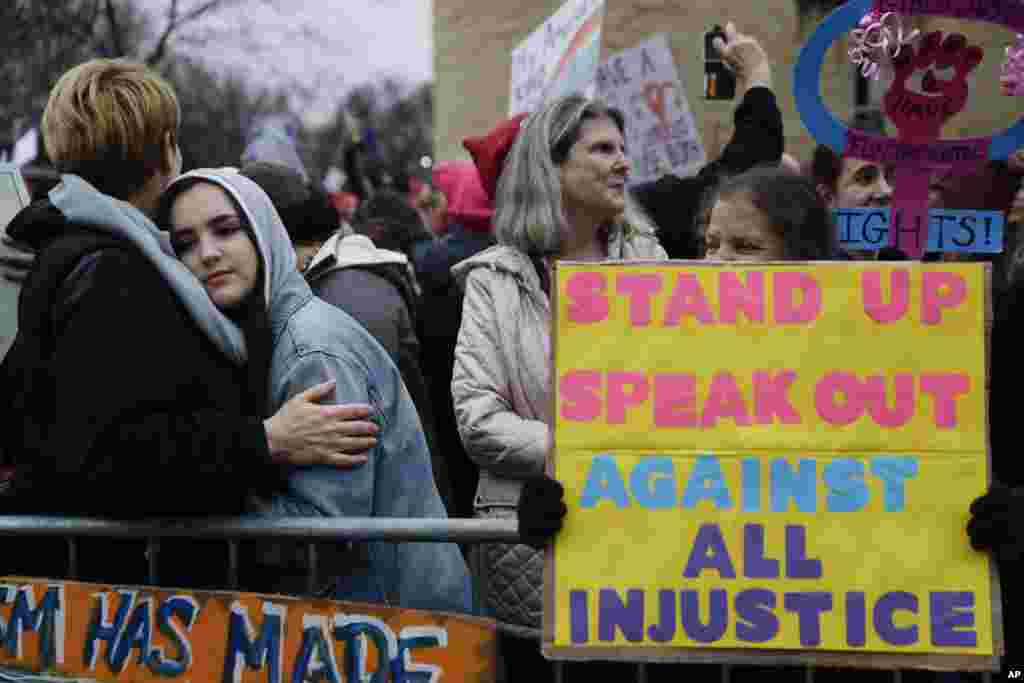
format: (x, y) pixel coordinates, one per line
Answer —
(157, 55)
(115, 29)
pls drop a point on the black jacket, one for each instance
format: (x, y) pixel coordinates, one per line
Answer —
(127, 410)
(674, 203)
(441, 312)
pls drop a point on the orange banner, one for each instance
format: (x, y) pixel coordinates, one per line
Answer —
(66, 629)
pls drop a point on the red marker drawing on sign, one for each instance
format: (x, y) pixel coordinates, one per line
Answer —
(654, 96)
(919, 102)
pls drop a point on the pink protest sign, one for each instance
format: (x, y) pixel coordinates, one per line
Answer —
(919, 117)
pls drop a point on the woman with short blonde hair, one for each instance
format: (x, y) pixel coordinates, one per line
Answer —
(123, 370)
(114, 123)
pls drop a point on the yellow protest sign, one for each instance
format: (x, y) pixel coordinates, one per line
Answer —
(771, 458)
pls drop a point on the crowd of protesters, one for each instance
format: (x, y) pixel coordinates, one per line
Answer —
(236, 342)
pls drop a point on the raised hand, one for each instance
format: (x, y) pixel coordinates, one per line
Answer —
(745, 56)
(919, 110)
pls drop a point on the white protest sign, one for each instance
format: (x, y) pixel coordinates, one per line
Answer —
(26, 148)
(661, 135)
(559, 58)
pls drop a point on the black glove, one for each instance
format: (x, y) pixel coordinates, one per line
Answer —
(15, 259)
(540, 511)
(997, 523)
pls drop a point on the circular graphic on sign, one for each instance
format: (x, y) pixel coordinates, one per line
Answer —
(828, 130)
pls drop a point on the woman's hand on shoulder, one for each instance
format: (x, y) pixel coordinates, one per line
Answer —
(304, 432)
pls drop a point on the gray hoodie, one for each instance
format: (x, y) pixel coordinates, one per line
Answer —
(313, 342)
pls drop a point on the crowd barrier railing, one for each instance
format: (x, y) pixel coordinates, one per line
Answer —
(467, 532)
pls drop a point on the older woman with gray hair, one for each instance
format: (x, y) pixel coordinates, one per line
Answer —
(558, 179)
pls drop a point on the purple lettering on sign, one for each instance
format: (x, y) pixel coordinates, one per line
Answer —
(709, 552)
(964, 154)
(884, 626)
(579, 617)
(718, 615)
(755, 617)
(1009, 13)
(755, 564)
(665, 629)
(628, 617)
(809, 607)
(798, 566)
(856, 619)
(951, 611)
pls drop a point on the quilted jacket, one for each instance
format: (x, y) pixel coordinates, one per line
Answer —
(502, 397)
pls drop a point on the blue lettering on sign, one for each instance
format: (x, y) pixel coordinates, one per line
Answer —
(186, 609)
(316, 660)
(47, 620)
(965, 232)
(104, 630)
(245, 649)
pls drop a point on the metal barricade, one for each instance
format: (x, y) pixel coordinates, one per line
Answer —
(310, 530)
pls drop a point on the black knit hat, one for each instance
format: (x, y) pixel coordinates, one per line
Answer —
(307, 213)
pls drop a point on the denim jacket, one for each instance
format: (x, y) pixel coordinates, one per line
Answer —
(313, 343)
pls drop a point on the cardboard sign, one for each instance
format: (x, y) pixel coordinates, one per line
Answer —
(68, 630)
(661, 135)
(559, 58)
(783, 473)
(917, 116)
(966, 232)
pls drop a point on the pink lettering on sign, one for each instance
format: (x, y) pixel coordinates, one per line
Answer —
(581, 395)
(688, 299)
(793, 285)
(587, 302)
(639, 287)
(945, 388)
(940, 289)
(725, 400)
(874, 396)
(771, 397)
(832, 410)
(734, 295)
(870, 395)
(625, 389)
(874, 302)
(675, 400)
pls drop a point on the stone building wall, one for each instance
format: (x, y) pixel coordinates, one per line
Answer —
(473, 40)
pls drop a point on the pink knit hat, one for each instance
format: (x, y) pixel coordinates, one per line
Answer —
(468, 203)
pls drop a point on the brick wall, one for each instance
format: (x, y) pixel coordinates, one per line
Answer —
(474, 38)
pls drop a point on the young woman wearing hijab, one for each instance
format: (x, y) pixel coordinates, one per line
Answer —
(226, 231)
